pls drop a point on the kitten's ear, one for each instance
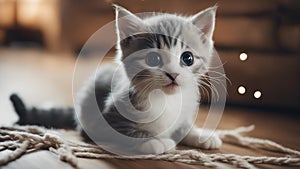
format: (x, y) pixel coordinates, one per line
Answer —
(205, 21)
(127, 23)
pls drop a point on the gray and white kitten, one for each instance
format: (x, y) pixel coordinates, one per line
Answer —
(151, 91)
(159, 73)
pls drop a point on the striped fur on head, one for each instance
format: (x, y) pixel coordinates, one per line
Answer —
(169, 35)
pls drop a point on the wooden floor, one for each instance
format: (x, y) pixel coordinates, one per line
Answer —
(282, 128)
(39, 77)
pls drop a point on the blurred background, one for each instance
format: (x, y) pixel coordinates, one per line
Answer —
(258, 42)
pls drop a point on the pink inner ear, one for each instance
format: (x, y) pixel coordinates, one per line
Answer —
(207, 29)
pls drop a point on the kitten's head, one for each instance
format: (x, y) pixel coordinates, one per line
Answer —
(165, 51)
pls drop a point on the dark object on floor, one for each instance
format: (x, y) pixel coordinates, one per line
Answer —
(54, 117)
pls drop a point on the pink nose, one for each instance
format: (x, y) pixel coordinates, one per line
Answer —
(172, 76)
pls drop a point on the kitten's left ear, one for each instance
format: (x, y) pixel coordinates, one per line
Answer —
(205, 21)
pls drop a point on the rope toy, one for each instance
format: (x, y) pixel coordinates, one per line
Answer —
(23, 139)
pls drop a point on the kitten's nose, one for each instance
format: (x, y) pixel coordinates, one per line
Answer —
(172, 76)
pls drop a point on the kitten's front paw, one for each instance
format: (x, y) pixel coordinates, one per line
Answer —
(209, 142)
(157, 146)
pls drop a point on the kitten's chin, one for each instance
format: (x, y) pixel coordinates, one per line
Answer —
(171, 88)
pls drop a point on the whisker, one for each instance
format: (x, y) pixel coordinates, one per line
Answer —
(218, 66)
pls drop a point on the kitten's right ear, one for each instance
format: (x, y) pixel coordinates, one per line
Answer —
(205, 21)
(127, 23)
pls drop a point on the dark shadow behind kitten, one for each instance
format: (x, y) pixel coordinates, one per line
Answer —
(43, 117)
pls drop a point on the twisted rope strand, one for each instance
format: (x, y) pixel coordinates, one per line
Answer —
(18, 152)
(21, 139)
(235, 137)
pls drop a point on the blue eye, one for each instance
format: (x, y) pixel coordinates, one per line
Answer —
(153, 59)
(187, 58)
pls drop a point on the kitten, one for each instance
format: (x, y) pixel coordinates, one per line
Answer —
(159, 61)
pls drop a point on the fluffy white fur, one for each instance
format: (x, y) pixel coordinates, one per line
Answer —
(165, 105)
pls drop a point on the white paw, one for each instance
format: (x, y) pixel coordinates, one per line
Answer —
(209, 141)
(157, 146)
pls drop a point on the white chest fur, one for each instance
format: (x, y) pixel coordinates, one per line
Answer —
(171, 111)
